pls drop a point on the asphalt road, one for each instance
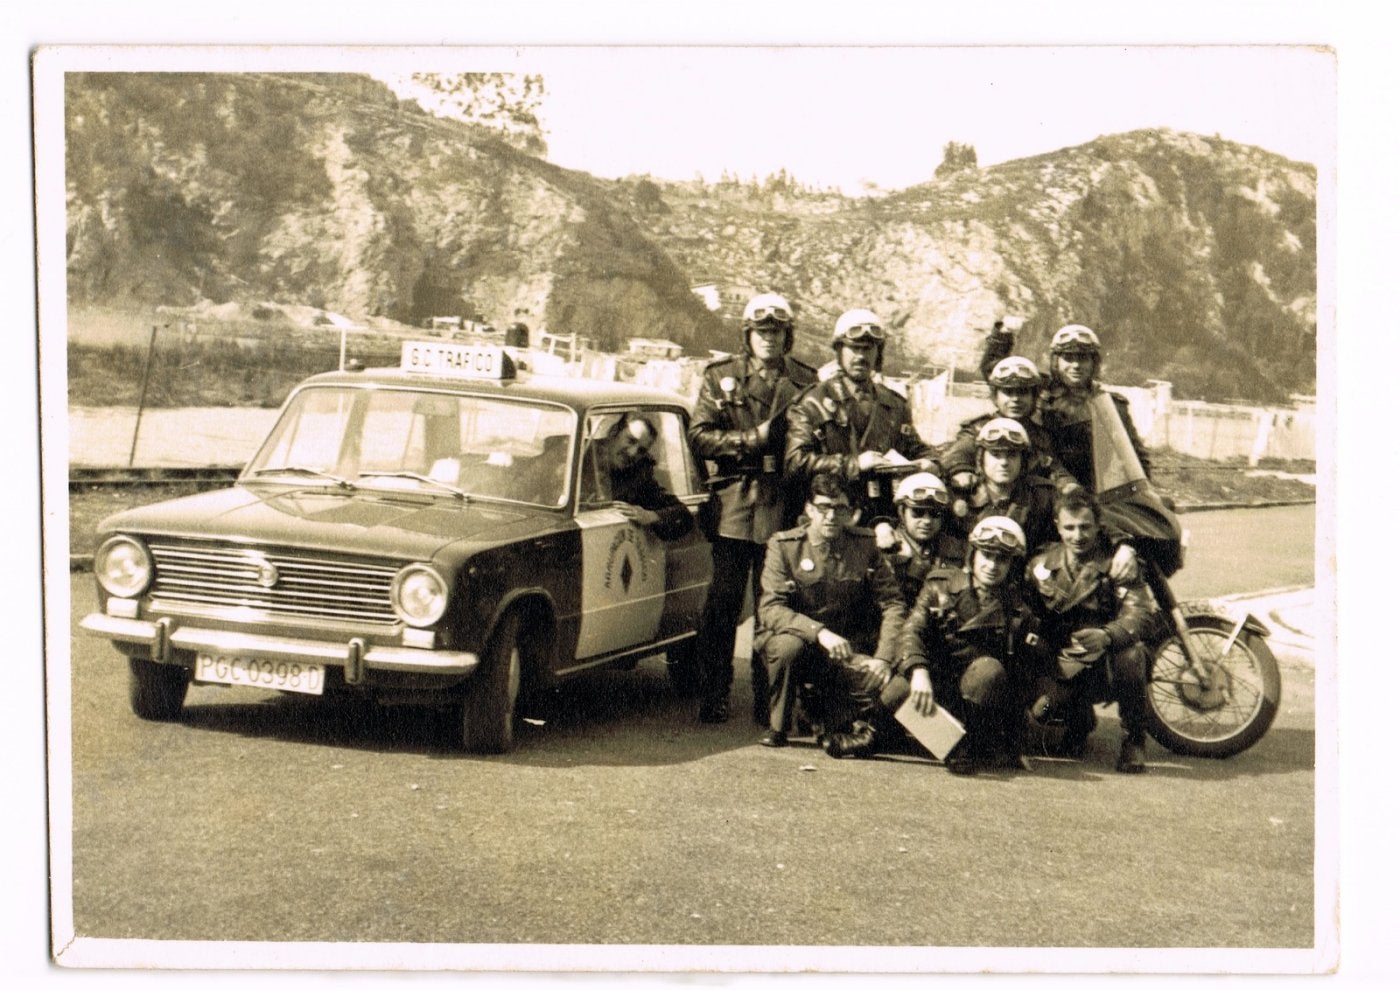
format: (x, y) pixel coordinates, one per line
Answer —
(620, 821)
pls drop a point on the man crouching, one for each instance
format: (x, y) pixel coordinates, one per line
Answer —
(829, 616)
(1096, 624)
(968, 649)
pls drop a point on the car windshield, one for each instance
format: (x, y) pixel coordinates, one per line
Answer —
(460, 446)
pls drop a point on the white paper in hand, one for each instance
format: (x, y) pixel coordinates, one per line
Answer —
(938, 733)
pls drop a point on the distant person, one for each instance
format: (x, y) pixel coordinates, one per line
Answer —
(923, 546)
(849, 422)
(740, 424)
(1095, 625)
(620, 471)
(972, 651)
(829, 616)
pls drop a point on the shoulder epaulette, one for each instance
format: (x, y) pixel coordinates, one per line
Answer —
(788, 535)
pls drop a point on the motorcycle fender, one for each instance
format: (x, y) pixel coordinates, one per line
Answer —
(1254, 625)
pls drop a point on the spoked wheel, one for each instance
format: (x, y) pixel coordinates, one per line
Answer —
(1226, 711)
(488, 711)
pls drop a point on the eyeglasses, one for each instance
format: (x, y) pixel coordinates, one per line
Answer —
(924, 511)
(778, 314)
(830, 508)
(862, 331)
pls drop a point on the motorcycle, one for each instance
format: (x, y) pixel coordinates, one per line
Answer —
(1213, 683)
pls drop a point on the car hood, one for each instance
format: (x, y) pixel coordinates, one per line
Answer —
(395, 525)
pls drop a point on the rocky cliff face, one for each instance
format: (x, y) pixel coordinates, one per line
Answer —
(1195, 258)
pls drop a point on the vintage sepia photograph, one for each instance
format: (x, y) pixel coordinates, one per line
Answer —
(668, 509)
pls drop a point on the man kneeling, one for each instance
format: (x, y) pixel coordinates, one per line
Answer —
(829, 616)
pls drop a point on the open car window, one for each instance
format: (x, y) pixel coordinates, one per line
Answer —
(675, 468)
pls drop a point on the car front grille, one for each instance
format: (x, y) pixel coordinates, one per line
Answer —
(271, 582)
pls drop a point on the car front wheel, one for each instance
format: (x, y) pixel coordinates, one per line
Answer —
(488, 711)
(157, 690)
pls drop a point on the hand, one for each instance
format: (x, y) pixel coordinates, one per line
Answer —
(963, 480)
(877, 672)
(884, 535)
(636, 514)
(1124, 567)
(762, 430)
(921, 691)
(1091, 640)
(869, 460)
(837, 647)
(926, 464)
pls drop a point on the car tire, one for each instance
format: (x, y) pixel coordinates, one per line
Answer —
(489, 710)
(157, 690)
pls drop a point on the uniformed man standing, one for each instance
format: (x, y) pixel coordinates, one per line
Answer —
(1005, 487)
(829, 616)
(848, 423)
(740, 424)
(1096, 623)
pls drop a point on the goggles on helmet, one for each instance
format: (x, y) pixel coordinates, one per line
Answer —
(769, 307)
(921, 489)
(1004, 433)
(998, 533)
(858, 332)
(1074, 339)
(1014, 372)
(770, 314)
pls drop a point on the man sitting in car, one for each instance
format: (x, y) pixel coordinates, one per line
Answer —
(620, 472)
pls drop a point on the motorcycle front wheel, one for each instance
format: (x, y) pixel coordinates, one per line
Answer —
(1224, 713)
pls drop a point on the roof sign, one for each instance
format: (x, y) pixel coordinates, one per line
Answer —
(431, 357)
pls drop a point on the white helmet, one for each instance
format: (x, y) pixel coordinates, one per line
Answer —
(922, 488)
(857, 325)
(1000, 533)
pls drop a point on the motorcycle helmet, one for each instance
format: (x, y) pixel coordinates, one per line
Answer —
(768, 309)
(858, 325)
(1015, 372)
(1001, 534)
(1001, 433)
(923, 489)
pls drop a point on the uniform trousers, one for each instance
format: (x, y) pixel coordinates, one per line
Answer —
(1119, 676)
(738, 564)
(835, 693)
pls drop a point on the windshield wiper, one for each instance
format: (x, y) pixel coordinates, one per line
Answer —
(459, 493)
(310, 471)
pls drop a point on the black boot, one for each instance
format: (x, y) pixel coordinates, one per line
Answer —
(858, 742)
(1079, 726)
(1132, 756)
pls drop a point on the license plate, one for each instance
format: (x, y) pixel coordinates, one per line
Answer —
(279, 675)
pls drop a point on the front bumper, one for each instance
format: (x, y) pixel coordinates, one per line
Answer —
(162, 637)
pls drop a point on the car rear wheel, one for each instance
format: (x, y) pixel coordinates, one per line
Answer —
(488, 714)
(157, 690)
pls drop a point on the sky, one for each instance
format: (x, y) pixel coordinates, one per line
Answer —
(854, 118)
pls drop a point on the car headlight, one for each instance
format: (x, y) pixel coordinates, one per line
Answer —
(123, 567)
(419, 595)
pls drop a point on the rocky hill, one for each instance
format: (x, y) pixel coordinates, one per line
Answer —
(1194, 257)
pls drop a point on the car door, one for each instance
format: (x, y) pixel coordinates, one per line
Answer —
(637, 588)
